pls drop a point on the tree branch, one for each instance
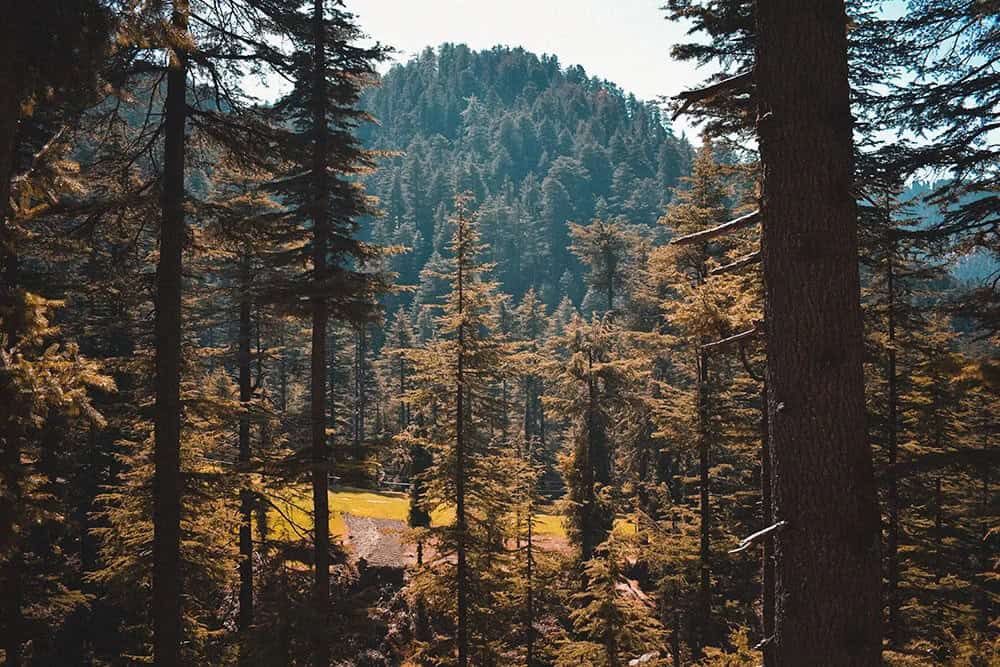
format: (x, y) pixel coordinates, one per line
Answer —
(711, 91)
(752, 258)
(750, 540)
(937, 461)
(734, 339)
(724, 228)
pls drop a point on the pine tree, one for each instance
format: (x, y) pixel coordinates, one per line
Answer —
(208, 522)
(44, 95)
(325, 203)
(43, 383)
(581, 385)
(700, 308)
(239, 226)
(814, 342)
(956, 102)
(605, 248)
(454, 382)
(612, 624)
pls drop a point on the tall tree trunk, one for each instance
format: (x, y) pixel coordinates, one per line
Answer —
(892, 493)
(827, 573)
(985, 557)
(167, 490)
(360, 354)
(675, 640)
(333, 381)
(530, 561)
(938, 532)
(591, 524)
(404, 420)
(245, 620)
(320, 455)
(10, 576)
(704, 510)
(460, 417)
(13, 562)
(767, 569)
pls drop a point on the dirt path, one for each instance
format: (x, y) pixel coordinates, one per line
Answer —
(378, 541)
(381, 542)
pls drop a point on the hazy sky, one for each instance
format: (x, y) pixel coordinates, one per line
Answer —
(625, 41)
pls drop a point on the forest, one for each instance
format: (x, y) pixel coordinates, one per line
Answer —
(475, 358)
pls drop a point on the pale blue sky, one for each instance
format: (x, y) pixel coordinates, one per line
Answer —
(625, 41)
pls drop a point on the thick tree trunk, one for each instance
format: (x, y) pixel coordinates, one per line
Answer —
(10, 576)
(167, 490)
(245, 620)
(827, 573)
(13, 619)
(320, 455)
(675, 640)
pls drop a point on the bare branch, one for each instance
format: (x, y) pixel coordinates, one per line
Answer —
(724, 228)
(734, 339)
(750, 540)
(752, 258)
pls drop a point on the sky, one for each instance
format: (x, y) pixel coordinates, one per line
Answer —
(624, 41)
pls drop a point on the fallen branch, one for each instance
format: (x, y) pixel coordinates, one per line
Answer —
(724, 228)
(750, 540)
(752, 258)
(711, 91)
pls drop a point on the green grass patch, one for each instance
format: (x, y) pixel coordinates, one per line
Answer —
(289, 518)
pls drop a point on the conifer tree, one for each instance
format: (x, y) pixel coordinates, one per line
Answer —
(700, 310)
(240, 220)
(325, 202)
(455, 379)
(605, 248)
(612, 624)
(814, 341)
(581, 385)
(953, 98)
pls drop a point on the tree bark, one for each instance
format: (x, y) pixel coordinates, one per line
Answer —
(827, 571)
(166, 612)
(320, 454)
(10, 577)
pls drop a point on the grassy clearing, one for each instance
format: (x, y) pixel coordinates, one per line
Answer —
(290, 518)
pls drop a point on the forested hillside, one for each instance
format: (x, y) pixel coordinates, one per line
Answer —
(535, 142)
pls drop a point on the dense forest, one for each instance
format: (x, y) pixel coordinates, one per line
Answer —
(477, 361)
(535, 144)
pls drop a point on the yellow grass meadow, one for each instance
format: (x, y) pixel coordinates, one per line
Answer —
(289, 516)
